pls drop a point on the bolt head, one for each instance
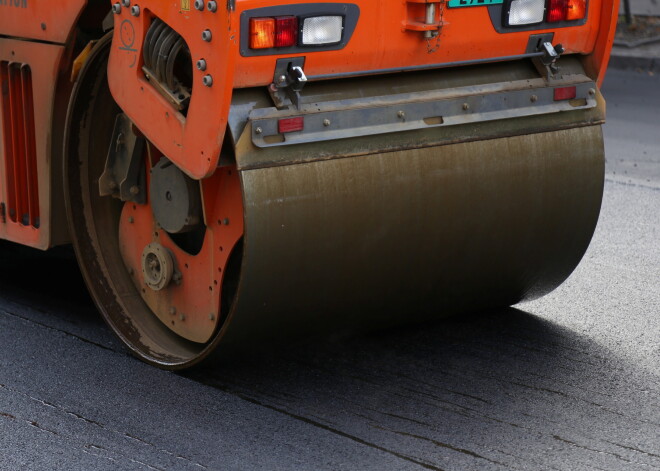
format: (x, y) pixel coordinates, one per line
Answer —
(212, 6)
(206, 35)
(116, 8)
(135, 10)
(533, 98)
(208, 80)
(126, 3)
(199, 5)
(401, 114)
(466, 106)
(326, 122)
(201, 65)
(258, 130)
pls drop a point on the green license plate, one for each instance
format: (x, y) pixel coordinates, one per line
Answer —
(473, 3)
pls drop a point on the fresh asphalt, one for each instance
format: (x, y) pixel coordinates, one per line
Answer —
(568, 382)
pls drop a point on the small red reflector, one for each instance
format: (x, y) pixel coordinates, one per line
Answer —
(565, 93)
(556, 11)
(286, 31)
(291, 124)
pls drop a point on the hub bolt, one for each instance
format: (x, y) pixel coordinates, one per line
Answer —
(201, 65)
(135, 10)
(199, 5)
(206, 35)
(212, 6)
(126, 3)
(116, 8)
(208, 80)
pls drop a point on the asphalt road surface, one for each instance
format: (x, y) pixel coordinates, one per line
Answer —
(569, 382)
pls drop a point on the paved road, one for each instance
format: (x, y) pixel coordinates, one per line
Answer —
(569, 382)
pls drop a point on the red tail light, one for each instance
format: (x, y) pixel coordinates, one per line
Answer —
(286, 31)
(556, 11)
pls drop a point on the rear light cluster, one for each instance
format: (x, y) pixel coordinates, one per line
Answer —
(288, 31)
(529, 12)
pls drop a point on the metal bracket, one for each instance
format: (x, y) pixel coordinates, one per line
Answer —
(547, 63)
(288, 81)
(124, 176)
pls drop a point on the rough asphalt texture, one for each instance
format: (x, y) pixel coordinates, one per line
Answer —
(568, 382)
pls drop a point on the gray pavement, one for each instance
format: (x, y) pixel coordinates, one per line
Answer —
(567, 382)
(645, 57)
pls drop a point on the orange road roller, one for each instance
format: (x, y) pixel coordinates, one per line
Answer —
(242, 171)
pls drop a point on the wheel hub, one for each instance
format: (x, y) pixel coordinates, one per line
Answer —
(157, 266)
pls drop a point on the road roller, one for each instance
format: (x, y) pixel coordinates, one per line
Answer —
(240, 172)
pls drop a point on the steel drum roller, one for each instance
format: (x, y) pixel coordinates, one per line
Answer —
(389, 237)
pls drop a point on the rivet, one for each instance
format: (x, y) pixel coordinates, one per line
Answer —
(116, 8)
(326, 122)
(201, 65)
(212, 6)
(135, 10)
(401, 114)
(207, 80)
(199, 5)
(281, 79)
(258, 130)
(466, 106)
(206, 35)
(533, 98)
(131, 220)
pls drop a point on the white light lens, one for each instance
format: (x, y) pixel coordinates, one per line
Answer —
(526, 12)
(322, 30)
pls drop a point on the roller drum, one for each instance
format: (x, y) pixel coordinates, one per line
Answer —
(402, 236)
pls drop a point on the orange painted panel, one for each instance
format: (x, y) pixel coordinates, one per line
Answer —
(43, 20)
(381, 41)
(43, 62)
(193, 142)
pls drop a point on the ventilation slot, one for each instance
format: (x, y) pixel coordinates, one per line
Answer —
(22, 204)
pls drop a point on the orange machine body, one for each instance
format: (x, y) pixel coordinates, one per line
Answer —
(146, 133)
(38, 39)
